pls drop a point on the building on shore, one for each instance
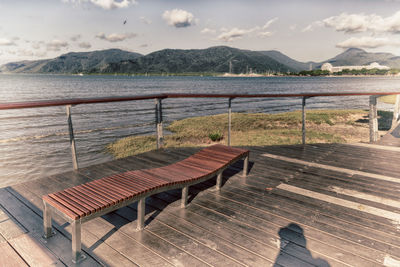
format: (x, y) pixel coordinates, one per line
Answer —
(374, 65)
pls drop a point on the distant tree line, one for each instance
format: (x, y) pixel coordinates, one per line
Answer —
(363, 71)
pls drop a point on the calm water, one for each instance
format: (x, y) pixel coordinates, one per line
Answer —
(34, 142)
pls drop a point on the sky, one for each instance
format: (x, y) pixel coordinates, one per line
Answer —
(309, 30)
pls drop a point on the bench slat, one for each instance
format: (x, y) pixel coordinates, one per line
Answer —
(109, 199)
(84, 191)
(84, 198)
(87, 209)
(61, 207)
(66, 205)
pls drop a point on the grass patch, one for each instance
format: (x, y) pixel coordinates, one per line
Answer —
(388, 99)
(323, 126)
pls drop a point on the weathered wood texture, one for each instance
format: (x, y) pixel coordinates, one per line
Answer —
(343, 219)
(391, 138)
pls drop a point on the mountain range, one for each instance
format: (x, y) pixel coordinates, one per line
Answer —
(219, 59)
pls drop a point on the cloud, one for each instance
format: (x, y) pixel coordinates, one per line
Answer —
(25, 53)
(36, 46)
(356, 23)
(75, 37)
(269, 23)
(85, 45)
(6, 42)
(28, 53)
(233, 34)
(144, 45)
(105, 4)
(208, 31)
(145, 20)
(178, 18)
(115, 37)
(56, 45)
(367, 42)
(312, 26)
(265, 34)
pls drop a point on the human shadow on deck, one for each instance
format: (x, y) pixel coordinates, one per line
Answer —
(295, 253)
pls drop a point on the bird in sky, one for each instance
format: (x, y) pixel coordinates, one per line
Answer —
(125, 21)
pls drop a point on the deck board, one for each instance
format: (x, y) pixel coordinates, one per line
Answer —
(252, 221)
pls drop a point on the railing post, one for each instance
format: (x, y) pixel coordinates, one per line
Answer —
(303, 118)
(72, 138)
(229, 120)
(373, 119)
(396, 112)
(159, 120)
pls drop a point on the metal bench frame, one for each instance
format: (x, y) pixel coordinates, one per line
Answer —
(78, 256)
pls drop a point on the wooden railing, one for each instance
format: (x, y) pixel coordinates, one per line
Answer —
(373, 117)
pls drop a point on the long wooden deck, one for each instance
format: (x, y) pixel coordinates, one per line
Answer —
(313, 205)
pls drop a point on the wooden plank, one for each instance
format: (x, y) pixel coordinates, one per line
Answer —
(244, 208)
(307, 221)
(33, 252)
(9, 228)
(157, 245)
(174, 239)
(225, 216)
(9, 258)
(375, 146)
(266, 250)
(372, 195)
(337, 169)
(303, 205)
(107, 231)
(211, 240)
(318, 240)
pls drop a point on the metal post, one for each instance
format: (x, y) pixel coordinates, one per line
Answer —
(140, 213)
(303, 118)
(185, 192)
(48, 231)
(246, 166)
(373, 119)
(77, 255)
(396, 111)
(229, 120)
(159, 120)
(219, 181)
(72, 138)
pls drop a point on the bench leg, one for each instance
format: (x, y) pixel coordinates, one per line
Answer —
(219, 182)
(48, 231)
(77, 255)
(246, 166)
(184, 199)
(140, 215)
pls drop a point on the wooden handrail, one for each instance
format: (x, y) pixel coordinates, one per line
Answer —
(79, 101)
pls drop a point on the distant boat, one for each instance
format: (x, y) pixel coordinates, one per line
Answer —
(80, 74)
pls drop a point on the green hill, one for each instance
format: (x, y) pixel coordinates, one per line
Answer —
(70, 63)
(213, 59)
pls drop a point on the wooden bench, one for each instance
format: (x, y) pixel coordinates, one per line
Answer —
(84, 202)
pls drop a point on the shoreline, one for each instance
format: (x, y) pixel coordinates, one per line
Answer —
(226, 75)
